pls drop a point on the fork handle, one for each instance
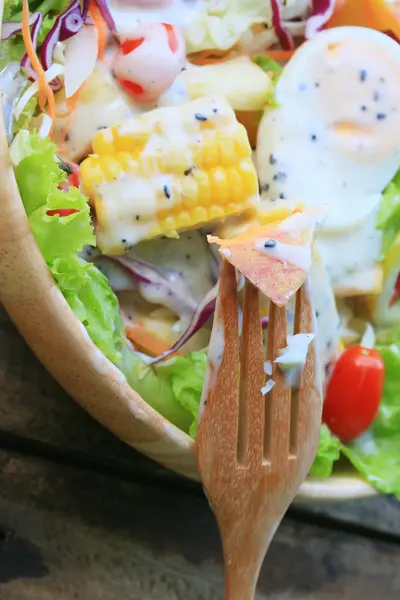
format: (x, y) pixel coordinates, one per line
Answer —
(242, 568)
(240, 582)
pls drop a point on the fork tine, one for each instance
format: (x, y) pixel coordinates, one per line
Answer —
(251, 400)
(219, 421)
(277, 406)
(308, 396)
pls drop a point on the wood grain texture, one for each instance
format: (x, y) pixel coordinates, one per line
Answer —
(36, 412)
(35, 304)
(71, 534)
(254, 452)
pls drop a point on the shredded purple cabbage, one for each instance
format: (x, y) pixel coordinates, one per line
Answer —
(167, 285)
(26, 64)
(201, 316)
(10, 28)
(284, 36)
(321, 12)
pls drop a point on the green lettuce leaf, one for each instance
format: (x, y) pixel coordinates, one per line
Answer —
(328, 453)
(89, 295)
(172, 388)
(389, 214)
(62, 236)
(268, 64)
(159, 386)
(376, 454)
(36, 169)
(187, 374)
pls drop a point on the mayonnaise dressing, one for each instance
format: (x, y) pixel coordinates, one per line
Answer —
(335, 138)
(128, 14)
(190, 256)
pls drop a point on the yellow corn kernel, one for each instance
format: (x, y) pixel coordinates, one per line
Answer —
(242, 146)
(183, 220)
(234, 183)
(111, 167)
(227, 150)
(175, 182)
(203, 185)
(190, 191)
(219, 185)
(209, 155)
(215, 212)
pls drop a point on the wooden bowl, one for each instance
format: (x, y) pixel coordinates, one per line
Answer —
(42, 315)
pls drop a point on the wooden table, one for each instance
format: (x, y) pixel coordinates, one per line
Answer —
(82, 516)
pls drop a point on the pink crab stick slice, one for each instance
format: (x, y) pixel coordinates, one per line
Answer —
(147, 63)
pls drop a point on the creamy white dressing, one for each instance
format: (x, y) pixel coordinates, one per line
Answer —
(100, 104)
(327, 323)
(335, 138)
(165, 174)
(190, 256)
(215, 356)
(296, 255)
(128, 14)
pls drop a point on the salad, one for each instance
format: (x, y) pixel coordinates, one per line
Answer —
(152, 139)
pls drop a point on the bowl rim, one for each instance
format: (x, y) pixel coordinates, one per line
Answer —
(42, 315)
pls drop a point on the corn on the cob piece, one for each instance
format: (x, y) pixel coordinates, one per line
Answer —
(169, 170)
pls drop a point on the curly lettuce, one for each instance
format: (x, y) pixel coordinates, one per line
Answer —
(389, 214)
(172, 388)
(376, 453)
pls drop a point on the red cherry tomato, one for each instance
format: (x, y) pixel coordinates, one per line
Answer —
(62, 212)
(354, 392)
(73, 178)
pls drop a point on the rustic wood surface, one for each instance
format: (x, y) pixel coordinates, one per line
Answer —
(84, 516)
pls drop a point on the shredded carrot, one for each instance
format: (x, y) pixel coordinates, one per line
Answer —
(280, 55)
(101, 27)
(145, 340)
(45, 91)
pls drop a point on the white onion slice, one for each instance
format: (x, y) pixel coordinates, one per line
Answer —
(54, 71)
(80, 58)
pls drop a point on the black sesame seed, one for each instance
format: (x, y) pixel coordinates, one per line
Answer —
(65, 167)
(282, 196)
(167, 191)
(200, 117)
(67, 137)
(123, 240)
(215, 110)
(329, 344)
(188, 171)
(265, 187)
(376, 97)
(137, 217)
(363, 75)
(280, 176)
(129, 317)
(381, 116)
(317, 84)
(100, 127)
(313, 137)
(187, 256)
(272, 159)
(317, 313)
(270, 244)
(363, 108)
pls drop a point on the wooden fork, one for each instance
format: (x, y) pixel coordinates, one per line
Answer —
(253, 452)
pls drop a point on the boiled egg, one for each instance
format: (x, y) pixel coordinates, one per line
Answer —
(334, 139)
